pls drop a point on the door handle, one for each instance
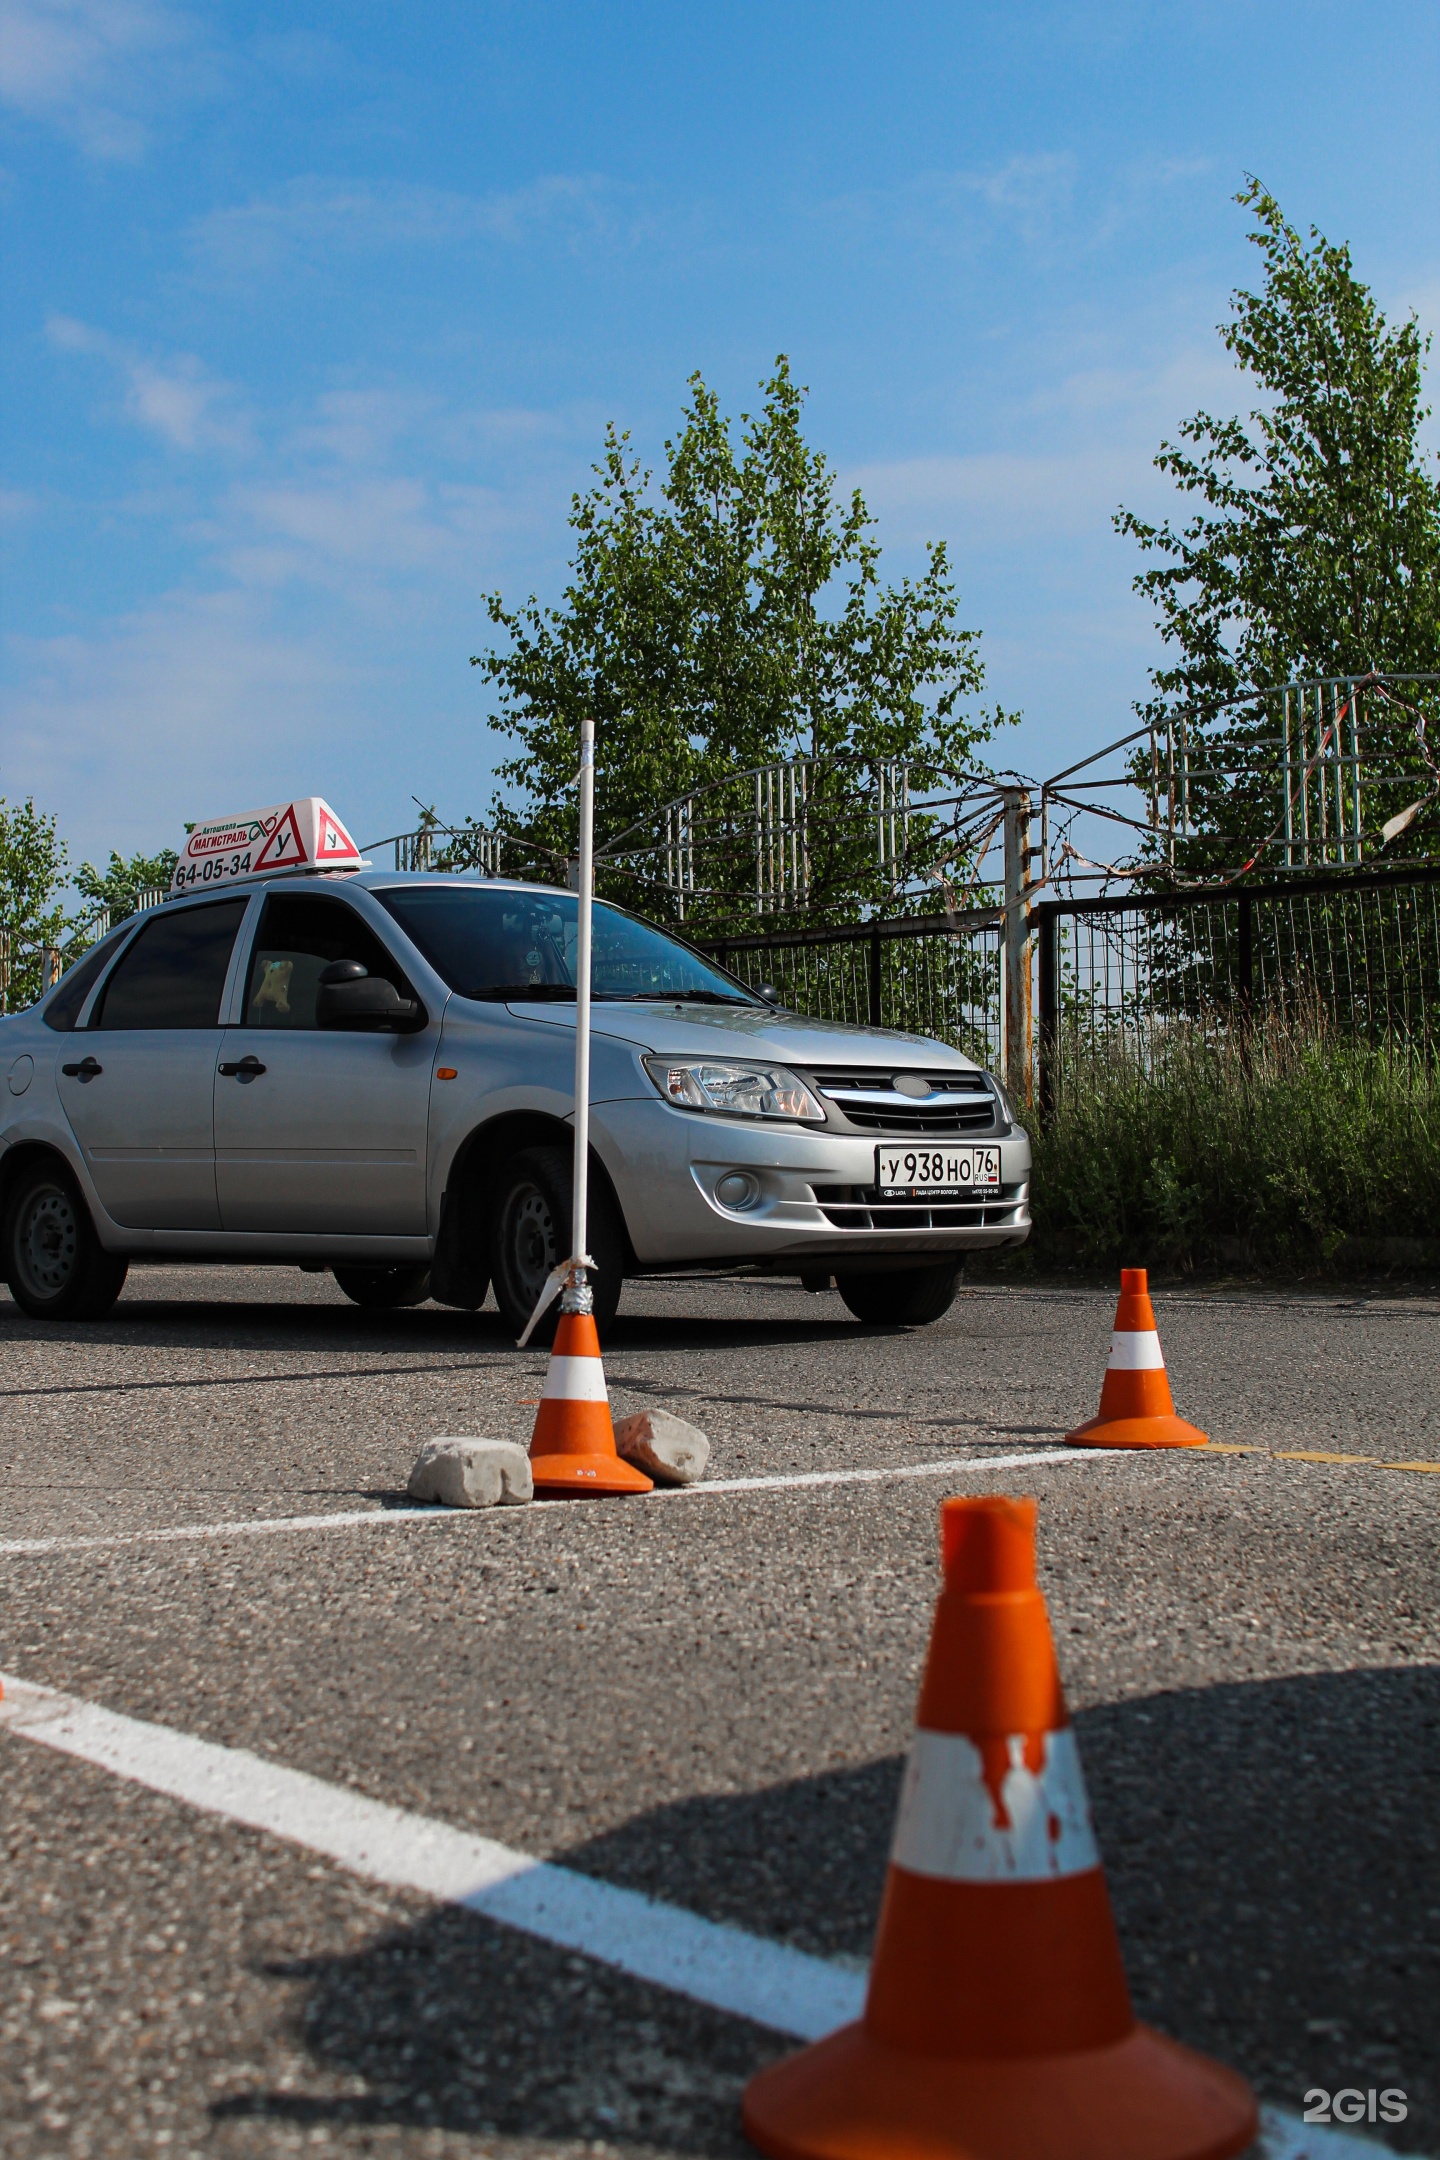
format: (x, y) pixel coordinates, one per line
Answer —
(249, 1068)
(88, 1069)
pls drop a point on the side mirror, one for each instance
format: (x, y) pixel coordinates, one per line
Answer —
(350, 997)
(770, 994)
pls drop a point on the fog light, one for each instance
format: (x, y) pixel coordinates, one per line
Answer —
(737, 1189)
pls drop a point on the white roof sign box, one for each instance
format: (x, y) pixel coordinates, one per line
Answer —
(300, 835)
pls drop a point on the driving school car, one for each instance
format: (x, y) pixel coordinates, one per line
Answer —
(298, 1058)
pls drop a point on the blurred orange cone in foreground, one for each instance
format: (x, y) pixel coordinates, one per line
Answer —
(572, 1448)
(1136, 1407)
(998, 2024)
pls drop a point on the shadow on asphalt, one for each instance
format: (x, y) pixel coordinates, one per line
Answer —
(173, 1323)
(1273, 1853)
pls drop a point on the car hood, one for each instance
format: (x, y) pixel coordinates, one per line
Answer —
(752, 1031)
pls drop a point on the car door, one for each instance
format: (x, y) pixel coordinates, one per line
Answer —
(138, 1083)
(319, 1131)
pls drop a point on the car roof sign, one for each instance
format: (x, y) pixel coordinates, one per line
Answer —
(301, 835)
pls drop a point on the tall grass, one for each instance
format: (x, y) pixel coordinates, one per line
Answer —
(1284, 1147)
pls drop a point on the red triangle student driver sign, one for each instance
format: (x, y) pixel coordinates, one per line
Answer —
(304, 834)
(284, 849)
(333, 840)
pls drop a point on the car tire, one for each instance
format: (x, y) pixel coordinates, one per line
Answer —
(908, 1297)
(54, 1263)
(530, 1234)
(384, 1289)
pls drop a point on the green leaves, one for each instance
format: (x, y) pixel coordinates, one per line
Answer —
(119, 886)
(32, 875)
(731, 616)
(1316, 551)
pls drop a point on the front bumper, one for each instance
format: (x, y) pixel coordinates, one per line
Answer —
(809, 1193)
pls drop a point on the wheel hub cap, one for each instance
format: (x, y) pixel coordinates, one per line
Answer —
(49, 1242)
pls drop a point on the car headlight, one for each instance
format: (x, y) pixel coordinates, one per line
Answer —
(744, 1090)
(1006, 1106)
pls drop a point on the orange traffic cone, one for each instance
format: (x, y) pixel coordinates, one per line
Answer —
(998, 2024)
(1136, 1407)
(572, 1448)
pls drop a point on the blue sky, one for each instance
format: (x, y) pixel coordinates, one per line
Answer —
(314, 316)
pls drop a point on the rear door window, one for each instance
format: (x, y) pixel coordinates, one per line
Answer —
(63, 1010)
(299, 935)
(173, 975)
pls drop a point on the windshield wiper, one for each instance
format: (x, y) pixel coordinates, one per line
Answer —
(527, 993)
(670, 997)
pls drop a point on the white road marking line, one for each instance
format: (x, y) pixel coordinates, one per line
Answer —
(947, 1468)
(721, 1966)
(749, 1976)
(245, 1526)
(378, 1518)
(1285, 2137)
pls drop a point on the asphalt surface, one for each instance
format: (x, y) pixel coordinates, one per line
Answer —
(703, 1697)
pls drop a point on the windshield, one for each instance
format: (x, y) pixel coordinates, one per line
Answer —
(489, 943)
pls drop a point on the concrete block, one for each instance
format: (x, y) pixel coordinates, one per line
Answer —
(472, 1473)
(672, 1452)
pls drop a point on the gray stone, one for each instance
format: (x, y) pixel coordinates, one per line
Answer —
(669, 1450)
(472, 1473)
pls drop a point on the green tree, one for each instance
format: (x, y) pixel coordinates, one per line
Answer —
(1317, 550)
(732, 617)
(32, 877)
(118, 887)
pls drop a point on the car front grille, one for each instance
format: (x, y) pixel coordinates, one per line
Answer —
(854, 1207)
(868, 1099)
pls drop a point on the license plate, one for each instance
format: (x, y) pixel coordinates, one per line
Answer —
(936, 1173)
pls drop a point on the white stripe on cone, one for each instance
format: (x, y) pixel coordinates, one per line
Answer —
(575, 1379)
(1135, 1350)
(951, 1824)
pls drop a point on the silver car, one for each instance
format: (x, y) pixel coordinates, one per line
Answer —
(373, 1073)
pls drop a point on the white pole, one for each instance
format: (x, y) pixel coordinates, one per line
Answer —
(569, 1278)
(578, 1287)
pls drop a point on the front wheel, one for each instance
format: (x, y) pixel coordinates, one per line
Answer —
(384, 1289)
(530, 1234)
(910, 1297)
(53, 1261)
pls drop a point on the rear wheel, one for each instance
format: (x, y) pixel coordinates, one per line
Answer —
(530, 1234)
(910, 1297)
(55, 1265)
(384, 1288)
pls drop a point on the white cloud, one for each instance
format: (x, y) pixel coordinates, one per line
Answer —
(376, 531)
(98, 69)
(1005, 495)
(314, 219)
(176, 399)
(185, 706)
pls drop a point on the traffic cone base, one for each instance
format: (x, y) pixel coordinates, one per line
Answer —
(1136, 1406)
(1137, 1432)
(850, 2097)
(587, 1474)
(572, 1449)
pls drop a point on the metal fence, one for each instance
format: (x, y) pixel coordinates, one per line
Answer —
(936, 975)
(1358, 953)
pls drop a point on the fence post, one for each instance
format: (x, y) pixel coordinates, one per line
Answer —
(1017, 1048)
(875, 1020)
(1049, 1003)
(1246, 977)
(4, 971)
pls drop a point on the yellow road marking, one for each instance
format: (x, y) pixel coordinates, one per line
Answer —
(1375, 1462)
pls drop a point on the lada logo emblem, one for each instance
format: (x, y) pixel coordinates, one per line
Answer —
(911, 1084)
